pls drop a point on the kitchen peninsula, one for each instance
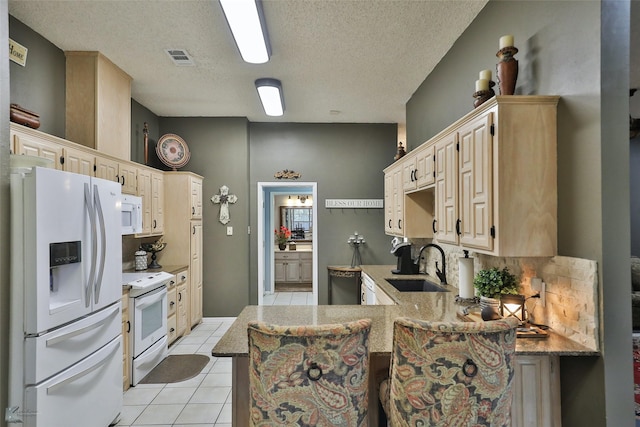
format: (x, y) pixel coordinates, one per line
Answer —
(436, 306)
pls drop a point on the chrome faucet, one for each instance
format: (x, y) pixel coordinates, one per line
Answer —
(442, 274)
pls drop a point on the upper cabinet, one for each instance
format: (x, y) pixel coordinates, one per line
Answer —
(98, 104)
(495, 177)
(151, 190)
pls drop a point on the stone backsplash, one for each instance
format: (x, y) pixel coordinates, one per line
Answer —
(571, 287)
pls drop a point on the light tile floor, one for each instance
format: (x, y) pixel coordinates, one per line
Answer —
(205, 400)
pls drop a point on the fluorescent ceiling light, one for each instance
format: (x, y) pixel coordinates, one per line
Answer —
(246, 20)
(270, 92)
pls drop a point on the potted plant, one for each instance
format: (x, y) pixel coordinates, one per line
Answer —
(282, 236)
(491, 284)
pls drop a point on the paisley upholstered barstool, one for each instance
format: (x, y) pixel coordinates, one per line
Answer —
(450, 374)
(309, 375)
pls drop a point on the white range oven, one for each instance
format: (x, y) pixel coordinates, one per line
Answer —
(148, 316)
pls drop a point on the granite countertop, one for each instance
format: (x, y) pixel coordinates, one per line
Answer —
(436, 306)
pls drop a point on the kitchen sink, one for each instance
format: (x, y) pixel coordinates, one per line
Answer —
(416, 285)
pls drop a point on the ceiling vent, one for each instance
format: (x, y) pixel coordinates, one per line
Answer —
(180, 57)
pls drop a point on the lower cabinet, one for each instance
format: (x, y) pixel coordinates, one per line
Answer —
(126, 328)
(536, 392)
(293, 267)
(183, 325)
(382, 298)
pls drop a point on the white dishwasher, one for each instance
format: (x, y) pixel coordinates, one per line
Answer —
(369, 290)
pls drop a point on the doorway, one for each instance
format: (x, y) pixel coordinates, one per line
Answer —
(269, 219)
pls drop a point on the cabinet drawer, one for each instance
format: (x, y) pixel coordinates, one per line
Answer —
(305, 256)
(171, 301)
(172, 332)
(286, 256)
(182, 277)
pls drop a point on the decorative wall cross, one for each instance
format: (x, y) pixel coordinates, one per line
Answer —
(224, 198)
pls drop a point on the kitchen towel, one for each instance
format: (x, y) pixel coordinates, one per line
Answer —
(465, 277)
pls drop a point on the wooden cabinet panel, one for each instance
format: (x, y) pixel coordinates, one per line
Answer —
(196, 198)
(185, 233)
(78, 161)
(293, 267)
(98, 107)
(107, 168)
(409, 180)
(126, 351)
(144, 191)
(425, 164)
(33, 146)
(182, 313)
(536, 391)
(157, 203)
(475, 183)
(446, 189)
(128, 176)
(196, 272)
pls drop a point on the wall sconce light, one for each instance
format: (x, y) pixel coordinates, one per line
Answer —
(270, 92)
(512, 306)
(247, 24)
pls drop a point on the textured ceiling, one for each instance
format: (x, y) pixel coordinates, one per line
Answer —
(339, 61)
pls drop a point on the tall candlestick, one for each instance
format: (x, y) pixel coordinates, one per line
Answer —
(482, 84)
(506, 41)
(485, 74)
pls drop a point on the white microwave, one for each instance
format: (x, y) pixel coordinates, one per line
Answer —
(131, 214)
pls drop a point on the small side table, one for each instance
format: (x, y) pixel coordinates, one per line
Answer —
(344, 272)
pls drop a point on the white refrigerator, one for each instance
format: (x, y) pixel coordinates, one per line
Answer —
(66, 325)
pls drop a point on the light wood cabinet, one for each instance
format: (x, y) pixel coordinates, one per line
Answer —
(495, 186)
(394, 199)
(504, 180)
(126, 351)
(98, 107)
(185, 233)
(151, 189)
(78, 161)
(418, 168)
(536, 391)
(293, 267)
(407, 214)
(196, 273)
(124, 173)
(35, 144)
(182, 310)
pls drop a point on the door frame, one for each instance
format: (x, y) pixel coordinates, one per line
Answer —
(265, 241)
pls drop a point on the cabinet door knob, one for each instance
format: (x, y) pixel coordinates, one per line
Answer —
(172, 303)
(172, 330)
(433, 225)
(183, 277)
(179, 296)
(458, 227)
(155, 223)
(400, 224)
(128, 326)
(193, 210)
(123, 180)
(389, 223)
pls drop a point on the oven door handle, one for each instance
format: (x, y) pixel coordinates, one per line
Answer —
(146, 301)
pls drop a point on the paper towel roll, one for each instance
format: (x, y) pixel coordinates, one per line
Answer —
(465, 277)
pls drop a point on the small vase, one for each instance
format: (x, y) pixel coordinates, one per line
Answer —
(282, 246)
(507, 70)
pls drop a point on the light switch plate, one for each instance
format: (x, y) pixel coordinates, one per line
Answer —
(229, 231)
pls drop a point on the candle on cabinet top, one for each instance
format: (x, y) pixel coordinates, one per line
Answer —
(485, 74)
(506, 41)
(482, 84)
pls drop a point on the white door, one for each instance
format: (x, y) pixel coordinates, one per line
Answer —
(56, 231)
(108, 284)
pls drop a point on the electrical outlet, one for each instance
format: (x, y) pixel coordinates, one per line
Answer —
(539, 287)
(229, 231)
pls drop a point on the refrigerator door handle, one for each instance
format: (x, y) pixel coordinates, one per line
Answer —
(63, 337)
(103, 244)
(88, 202)
(52, 389)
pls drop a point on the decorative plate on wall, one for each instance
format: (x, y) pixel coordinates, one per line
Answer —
(173, 151)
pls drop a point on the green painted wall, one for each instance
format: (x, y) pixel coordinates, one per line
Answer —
(40, 85)
(346, 160)
(560, 53)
